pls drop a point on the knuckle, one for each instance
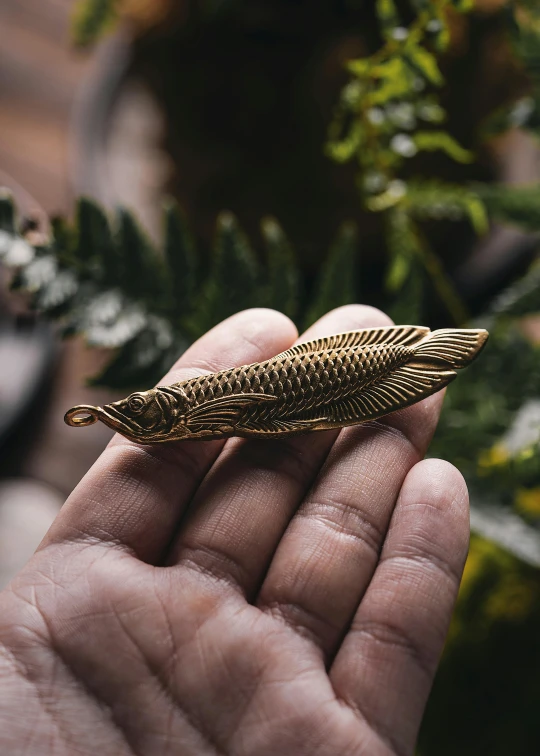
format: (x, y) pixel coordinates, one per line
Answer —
(347, 519)
(393, 636)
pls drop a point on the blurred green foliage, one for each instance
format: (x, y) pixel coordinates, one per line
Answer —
(388, 113)
(486, 693)
(102, 277)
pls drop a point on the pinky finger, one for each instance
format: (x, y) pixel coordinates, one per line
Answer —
(387, 662)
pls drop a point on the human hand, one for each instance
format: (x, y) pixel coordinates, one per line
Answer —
(240, 597)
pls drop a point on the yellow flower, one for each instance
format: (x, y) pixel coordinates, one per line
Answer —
(497, 456)
(527, 501)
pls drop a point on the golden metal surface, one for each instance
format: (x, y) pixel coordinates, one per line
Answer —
(332, 382)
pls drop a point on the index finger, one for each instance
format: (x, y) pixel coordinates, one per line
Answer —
(134, 495)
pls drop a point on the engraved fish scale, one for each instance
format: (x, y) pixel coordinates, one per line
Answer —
(320, 380)
(326, 383)
(301, 382)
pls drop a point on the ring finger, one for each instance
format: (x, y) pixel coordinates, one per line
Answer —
(330, 550)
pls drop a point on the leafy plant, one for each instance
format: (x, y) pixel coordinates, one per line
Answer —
(104, 279)
(485, 692)
(387, 114)
(390, 111)
(79, 276)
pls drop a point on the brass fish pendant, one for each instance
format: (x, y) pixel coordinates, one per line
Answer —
(331, 382)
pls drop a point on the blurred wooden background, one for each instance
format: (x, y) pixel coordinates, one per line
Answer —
(40, 73)
(41, 76)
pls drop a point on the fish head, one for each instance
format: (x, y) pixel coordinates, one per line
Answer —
(138, 417)
(144, 416)
(166, 414)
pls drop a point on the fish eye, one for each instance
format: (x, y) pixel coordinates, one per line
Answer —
(136, 402)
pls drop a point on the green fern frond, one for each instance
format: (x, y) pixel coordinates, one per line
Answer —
(408, 251)
(403, 248)
(426, 64)
(282, 270)
(143, 272)
(343, 149)
(93, 244)
(336, 284)
(7, 212)
(233, 283)
(407, 307)
(516, 205)
(521, 298)
(437, 200)
(388, 16)
(181, 260)
(376, 124)
(431, 141)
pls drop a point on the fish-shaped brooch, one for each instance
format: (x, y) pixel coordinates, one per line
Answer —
(332, 382)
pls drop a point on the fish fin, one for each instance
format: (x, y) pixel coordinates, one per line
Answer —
(402, 335)
(276, 425)
(401, 388)
(452, 347)
(225, 411)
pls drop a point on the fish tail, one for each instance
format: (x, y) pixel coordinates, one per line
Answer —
(450, 347)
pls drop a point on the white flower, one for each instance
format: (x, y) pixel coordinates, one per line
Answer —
(128, 324)
(59, 290)
(403, 145)
(431, 112)
(400, 33)
(40, 272)
(352, 92)
(374, 182)
(20, 253)
(434, 25)
(397, 189)
(104, 308)
(402, 114)
(522, 111)
(163, 334)
(375, 116)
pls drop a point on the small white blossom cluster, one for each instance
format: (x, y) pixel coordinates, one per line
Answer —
(521, 112)
(14, 250)
(403, 145)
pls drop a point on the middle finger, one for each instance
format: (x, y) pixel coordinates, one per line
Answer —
(246, 501)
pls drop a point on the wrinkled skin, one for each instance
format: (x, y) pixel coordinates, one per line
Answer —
(298, 605)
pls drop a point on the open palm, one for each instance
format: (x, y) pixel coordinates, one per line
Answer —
(240, 597)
